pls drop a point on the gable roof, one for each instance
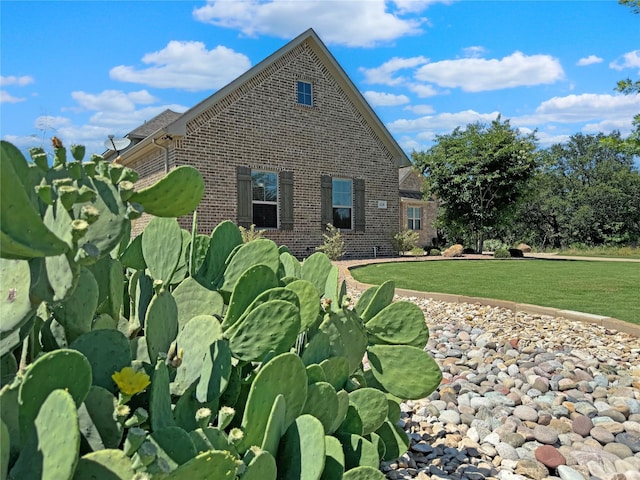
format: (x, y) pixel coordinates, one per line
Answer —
(156, 123)
(178, 127)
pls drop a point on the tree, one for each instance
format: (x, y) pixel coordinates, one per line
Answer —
(586, 191)
(478, 174)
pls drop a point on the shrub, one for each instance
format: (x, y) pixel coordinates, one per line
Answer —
(250, 234)
(170, 385)
(333, 246)
(405, 241)
(501, 253)
(469, 251)
(434, 252)
(417, 251)
(493, 244)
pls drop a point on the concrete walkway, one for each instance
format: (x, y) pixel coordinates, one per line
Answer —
(345, 266)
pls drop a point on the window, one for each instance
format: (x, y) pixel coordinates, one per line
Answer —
(264, 196)
(265, 199)
(305, 96)
(342, 202)
(414, 218)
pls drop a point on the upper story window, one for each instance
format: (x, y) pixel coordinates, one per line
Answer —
(305, 94)
(264, 188)
(342, 199)
(414, 218)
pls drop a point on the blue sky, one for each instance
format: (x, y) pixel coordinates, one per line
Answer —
(83, 70)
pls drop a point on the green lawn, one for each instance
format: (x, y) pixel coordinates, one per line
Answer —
(602, 288)
(617, 252)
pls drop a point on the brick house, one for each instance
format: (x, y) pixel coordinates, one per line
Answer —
(415, 212)
(290, 146)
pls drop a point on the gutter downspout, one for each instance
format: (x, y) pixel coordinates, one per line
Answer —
(166, 155)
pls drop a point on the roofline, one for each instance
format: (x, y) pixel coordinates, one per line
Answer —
(179, 126)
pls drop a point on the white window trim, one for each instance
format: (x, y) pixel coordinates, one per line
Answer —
(350, 206)
(310, 93)
(413, 218)
(267, 202)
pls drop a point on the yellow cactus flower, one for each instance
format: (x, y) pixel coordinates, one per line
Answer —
(131, 382)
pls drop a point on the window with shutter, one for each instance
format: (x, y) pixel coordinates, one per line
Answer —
(286, 200)
(243, 180)
(359, 204)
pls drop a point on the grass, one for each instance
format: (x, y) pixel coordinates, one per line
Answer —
(602, 288)
(613, 252)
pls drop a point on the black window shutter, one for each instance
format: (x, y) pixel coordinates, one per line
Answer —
(326, 200)
(245, 208)
(358, 188)
(286, 200)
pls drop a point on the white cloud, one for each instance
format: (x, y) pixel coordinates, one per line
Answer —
(13, 80)
(474, 51)
(423, 91)
(588, 106)
(478, 74)
(113, 100)
(590, 60)
(353, 23)
(6, 97)
(443, 122)
(420, 109)
(382, 99)
(384, 74)
(186, 65)
(628, 60)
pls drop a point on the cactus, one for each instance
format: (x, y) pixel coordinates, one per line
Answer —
(336, 370)
(160, 399)
(391, 366)
(17, 212)
(301, 454)
(309, 301)
(98, 426)
(284, 374)
(216, 370)
(262, 466)
(194, 341)
(346, 337)
(273, 325)
(315, 373)
(253, 281)
(184, 186)
(16, 309)
(174, 445)
(220, 465)
(363, 473)
(50, 450)
(276, 425)
(290, 265)
(107, 351)
(380, 298)
(334, 459)
(5, 450)
(61, 369)
(109, 463)
(132, 256)
(398, 323)
(162, 248)
(160, 324)
(322, 403)
(343, 409)
(372, 406)
(224, 239)
(395, 439)
(108, 274)
(210, 438)
(261, 251)
(358, 451)
(193, 300)
(316, 269)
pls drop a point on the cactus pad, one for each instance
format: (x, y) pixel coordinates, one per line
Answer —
(397, 323)
(372, 406)
(301, 455)
(177, 193)
(105, 464)
(394, 366)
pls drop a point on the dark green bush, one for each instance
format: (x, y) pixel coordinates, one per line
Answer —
(434, 252)
(501, 253)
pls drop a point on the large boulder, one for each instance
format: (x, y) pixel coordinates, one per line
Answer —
(524, 248)
(456, 250)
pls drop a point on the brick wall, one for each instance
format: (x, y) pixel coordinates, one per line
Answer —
(259, 125)
(429, 213)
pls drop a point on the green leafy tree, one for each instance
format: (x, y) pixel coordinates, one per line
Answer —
(586, 191)
(478, 173)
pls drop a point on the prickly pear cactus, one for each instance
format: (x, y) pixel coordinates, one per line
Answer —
(179, 355)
